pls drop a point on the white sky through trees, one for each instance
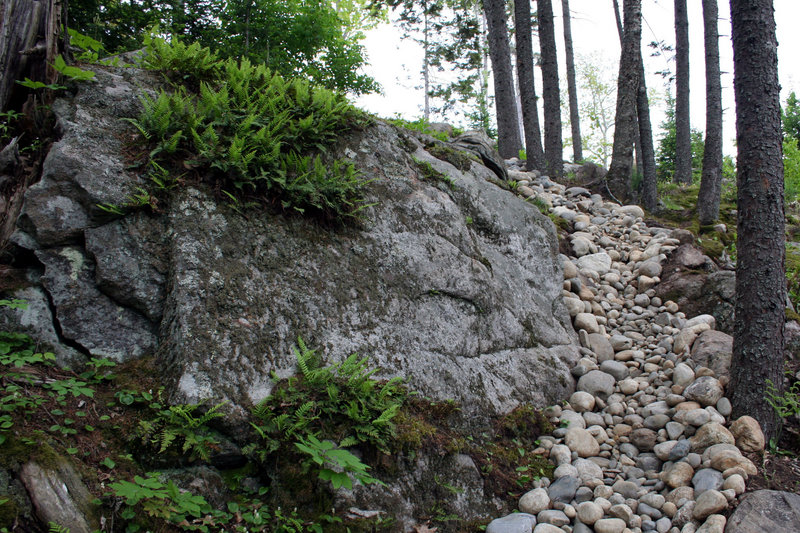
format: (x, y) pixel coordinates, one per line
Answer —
(396, 63)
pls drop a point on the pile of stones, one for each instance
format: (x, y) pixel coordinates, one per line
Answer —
(645, 443)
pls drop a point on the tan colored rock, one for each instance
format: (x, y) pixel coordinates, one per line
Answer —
(710, 434)
(713, 524)
(678, 475)
(581, 442)
(726, 459)
(708, 503)
(748, 434)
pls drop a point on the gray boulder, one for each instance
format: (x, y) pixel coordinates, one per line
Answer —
(88, 317)
(481, 145)
(713, 349)
(766, 510)
(458, 290)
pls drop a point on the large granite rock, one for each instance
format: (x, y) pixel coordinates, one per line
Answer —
(456, 289)
(465, 311)
(766, 510)
(692, 281)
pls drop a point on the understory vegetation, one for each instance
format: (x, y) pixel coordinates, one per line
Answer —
(254, 136)
(327, 427)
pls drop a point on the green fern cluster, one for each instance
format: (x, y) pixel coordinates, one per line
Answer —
(340, 402)
(251, 130)
(177, 59)
(179, 429)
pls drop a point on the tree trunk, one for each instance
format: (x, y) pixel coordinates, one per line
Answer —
(711, 182)
(426, 64)
(625, 131)
(683, 126)
(572, 87)
(30, 40)
(527, 89)
(760, 279)
(553, 146)
(508, 141)
(648, 189)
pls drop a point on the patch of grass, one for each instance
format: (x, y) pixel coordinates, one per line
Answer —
(428, 173)
(458, 158)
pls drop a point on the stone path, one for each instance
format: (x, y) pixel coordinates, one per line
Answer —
(645, 443)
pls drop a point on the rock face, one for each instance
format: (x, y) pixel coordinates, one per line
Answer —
(58, 495)
(766, 510)
(693, 281)
(458, 290)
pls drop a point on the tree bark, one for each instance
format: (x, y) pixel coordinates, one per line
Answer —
(625, 131)
(572, 86)
(30, 40)
(648, 190)
(508, 140)
(553, 145)
(527, 89)
(683, 127)
(711, 181)
(758, 338)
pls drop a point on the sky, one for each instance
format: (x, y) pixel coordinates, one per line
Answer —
(395, 63)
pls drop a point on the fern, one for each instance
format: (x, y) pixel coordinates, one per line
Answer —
(177, 428)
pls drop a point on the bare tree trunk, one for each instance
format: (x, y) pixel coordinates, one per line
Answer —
(758, 330)
(625, 131)
(527, 89)
(711, 181)
(426, 64)
(508, 140)
(572, 86)
(30, 33)
(553, 144)
(648, 189)
(683, 126)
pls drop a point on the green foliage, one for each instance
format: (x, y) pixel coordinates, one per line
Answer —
(178, 429)
(790, 117)
(786, 405)
(179, 60)
(665, 153)
(428, 173)
(791, 169)
(7, 120)
(53, 527)
(313, 40)
(254, 132)
(422, 126)
(159, 500)
(330, 459)
(71, 72)
(339, 403)
(34, 85)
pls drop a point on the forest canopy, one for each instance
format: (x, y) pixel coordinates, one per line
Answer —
(313, 39)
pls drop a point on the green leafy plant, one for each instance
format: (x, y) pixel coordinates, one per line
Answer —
(179, 60)
(786, 404)
(71, 72)
(159, 500)
(253, 131)
(325, 405)
(330, 459)
(30, 84)
(180, 428)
